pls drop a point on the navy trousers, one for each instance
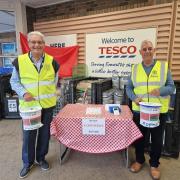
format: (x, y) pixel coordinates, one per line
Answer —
(156, 140)
(33, 150)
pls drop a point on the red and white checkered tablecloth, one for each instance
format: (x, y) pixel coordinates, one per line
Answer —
(120, 130)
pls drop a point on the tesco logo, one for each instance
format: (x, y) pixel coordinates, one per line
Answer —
(118, 50)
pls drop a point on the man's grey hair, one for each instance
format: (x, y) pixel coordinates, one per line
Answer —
(146, 42)
(35, 33)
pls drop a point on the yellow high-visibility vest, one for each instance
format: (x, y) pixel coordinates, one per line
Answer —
(144, 84)
(41, 85)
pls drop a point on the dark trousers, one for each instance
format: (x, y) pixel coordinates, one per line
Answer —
(156, 140)
(37, 148)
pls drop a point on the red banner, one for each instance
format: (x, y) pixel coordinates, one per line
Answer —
(66, 56)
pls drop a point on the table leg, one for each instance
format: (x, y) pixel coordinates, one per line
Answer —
(64, 153)
(127, 157)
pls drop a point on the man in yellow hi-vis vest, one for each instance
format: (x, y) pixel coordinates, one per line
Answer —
(150, 81)
(34, 78)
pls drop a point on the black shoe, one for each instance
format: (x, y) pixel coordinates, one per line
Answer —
(44, 165)
(25, 171)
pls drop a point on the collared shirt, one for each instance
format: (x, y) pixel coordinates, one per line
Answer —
(15, 79)
(37, 63)
(168, 89)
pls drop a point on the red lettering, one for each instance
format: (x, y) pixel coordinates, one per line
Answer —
(123, 51)
(118, 50)
(115, 50)
(109, 50)
(102, 49)
(131, 49)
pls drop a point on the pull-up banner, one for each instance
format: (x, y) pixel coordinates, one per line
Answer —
(115, 52)
(66, 56)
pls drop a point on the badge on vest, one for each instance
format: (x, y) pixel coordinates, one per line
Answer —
(154, 74)
(47, 67)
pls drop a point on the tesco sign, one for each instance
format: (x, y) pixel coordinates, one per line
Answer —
(118, 50)
(112, 53)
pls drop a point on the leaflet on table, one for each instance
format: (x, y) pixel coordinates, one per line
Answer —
(93, 110)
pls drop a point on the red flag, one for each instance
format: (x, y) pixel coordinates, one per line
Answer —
(24, 43)
(66, 56)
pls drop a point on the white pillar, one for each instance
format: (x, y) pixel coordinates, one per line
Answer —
(21, 22)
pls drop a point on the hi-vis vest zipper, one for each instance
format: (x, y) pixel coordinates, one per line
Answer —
(144, 84)
(41, 85)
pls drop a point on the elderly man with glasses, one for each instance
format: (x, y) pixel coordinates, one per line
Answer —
(150, 81)
(34, 78)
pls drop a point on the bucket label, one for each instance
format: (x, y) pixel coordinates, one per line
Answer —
(31, 118)
(35, 121)
(149, 124)
(31, 124)
(149, 116)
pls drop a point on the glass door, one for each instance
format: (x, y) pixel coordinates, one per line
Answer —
(8, 48)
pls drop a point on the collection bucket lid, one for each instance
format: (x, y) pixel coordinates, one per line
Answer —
(30, 109)
(150, 104)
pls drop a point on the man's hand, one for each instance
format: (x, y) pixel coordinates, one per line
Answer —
(137, 100)
(28, 97)
(155, 92)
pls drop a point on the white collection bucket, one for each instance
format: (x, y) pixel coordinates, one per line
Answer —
(31, 117)
(149, 114)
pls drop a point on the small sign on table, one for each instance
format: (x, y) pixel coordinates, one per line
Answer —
(93, 126)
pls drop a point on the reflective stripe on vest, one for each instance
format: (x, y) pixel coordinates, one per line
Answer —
(143, 84)
(32, 85)
(45, 96)
(41, 85)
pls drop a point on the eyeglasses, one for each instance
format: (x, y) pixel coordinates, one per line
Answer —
(37, 42)
(147, 49)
